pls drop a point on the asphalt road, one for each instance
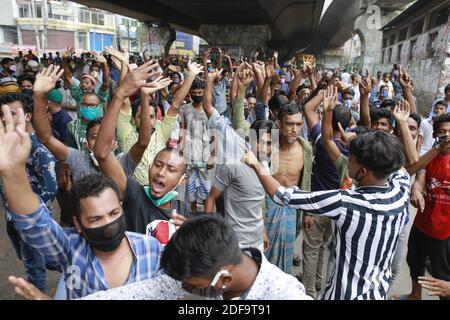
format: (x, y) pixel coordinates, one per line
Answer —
(11, 265)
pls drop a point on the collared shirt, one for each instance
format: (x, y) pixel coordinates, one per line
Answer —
(40, 168)
(77, 94)
(270, 284)
(367, 223)
(81, 269)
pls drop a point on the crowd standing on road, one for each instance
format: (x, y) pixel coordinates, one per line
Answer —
(176, 176)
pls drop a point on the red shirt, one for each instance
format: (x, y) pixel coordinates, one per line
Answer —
(435, 220)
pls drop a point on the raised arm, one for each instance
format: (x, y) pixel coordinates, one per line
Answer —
(243, 79)
(102, 60)
(330, 101)
(270, 74)
(45, 82)
(406, 84)
(194, 69)
(15, 146)
(108, 163)
(401, 114)
(364, 89)
(207, 96)
(310, 110)
(67, 77)
(295, 83)
(425, 159)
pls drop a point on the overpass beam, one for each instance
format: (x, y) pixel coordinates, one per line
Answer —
(238, 40)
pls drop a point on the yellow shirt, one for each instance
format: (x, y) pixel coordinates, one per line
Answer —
(127, 136)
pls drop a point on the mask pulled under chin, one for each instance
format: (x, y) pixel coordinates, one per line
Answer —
(160, 201)
(106, 238)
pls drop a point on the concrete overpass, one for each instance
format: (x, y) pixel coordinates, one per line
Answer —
(285, 25)
(244, 26)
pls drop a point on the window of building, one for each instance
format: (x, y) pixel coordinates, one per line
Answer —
(390, 55)
(403, 34)
(399, 52)
(439, 17)
(82, 41)
(94, 18)
(392, 39)
(383, 53)
(432, 46)
(24, 10)
(101, 19)
(412, 48)
(417, 27)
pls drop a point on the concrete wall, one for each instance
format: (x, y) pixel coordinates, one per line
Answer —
(7, 15)
(427, 62)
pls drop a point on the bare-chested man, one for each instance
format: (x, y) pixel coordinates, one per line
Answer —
(291, 165)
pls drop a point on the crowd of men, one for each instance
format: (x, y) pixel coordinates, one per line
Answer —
(177, 177)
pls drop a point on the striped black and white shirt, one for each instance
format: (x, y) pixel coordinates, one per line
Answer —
(367, 223)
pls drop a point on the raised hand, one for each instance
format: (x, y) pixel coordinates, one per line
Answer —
(27, 290)
(270, 69)
(206, 54)
(245, 76)
(138, 78)
(308, 70)
(122, 56)
(98, 57)
(330, 98)
(67, 53)
(156, 85)
(15, 142)
(213, 76)
(177, 219)
(46, 80)
(404, 78)
(275, 54)
(365, 86)
(195, 68)
(346, 137)
(402, 111)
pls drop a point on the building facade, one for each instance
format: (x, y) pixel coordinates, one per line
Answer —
(419, 40)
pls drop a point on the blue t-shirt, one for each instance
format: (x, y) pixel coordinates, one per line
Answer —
(324, 174)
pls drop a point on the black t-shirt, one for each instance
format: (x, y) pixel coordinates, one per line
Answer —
(140, 210)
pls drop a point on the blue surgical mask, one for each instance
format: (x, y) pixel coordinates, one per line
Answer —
(384, 93)
(90, 113)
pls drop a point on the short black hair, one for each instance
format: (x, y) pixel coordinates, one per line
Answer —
(349, 91)
(250, 95)
(26, 77)
(382, 87)
(389, 104)
(447, 88)
(440, 120)
(197, 84)
(376, 114)
(6, 60)
(379, 151)
(203, 245)
(172, 150)
(416, 117)
(262, 126)
(343, 115)
(277, 102)
(26, 101)
(360, 129)
(288, 110)
(91, 186)
(93, 123)
(301, 87)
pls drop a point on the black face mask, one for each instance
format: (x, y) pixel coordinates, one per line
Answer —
(108, 237)
(197, 99)
(27, 92)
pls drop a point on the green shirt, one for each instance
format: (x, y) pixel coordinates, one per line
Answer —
(238, 121)
(77, 94)
(127, 136)
(76, 135)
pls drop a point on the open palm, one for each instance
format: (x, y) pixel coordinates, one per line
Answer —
(15, 143)
(46, 80)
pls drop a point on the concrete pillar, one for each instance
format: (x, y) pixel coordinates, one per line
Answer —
(157, 39)
(371, 38)
(237, 40)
